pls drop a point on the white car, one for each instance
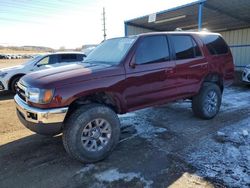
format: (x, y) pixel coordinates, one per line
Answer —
(246, 74)
(11, 75)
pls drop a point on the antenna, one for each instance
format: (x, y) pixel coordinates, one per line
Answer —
(104, 23)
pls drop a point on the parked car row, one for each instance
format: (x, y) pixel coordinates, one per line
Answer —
(16, 56)
(10, 76)
(81, 100)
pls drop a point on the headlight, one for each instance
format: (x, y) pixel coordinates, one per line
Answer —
(3, 74)
(41, 96)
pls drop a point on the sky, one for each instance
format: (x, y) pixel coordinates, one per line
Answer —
(70, 23)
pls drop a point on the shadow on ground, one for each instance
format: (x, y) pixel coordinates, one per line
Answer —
(6, 95)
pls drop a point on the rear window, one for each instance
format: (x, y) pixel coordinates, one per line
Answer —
(185, 47)
(215, 44)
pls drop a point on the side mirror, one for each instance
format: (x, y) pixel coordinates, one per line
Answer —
(132, 65)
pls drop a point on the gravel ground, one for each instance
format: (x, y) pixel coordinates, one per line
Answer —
(159, 147)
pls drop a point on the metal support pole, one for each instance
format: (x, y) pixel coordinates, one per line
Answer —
(200, 16)
(104, 24)
(125, 29)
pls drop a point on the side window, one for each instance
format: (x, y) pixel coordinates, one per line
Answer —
(80, 57)
(215, 44)
(152, 49)
(185, 47)
(197, 50)
(68, 57)
(53, 59)
(44, 61)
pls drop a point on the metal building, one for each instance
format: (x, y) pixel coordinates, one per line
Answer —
(231, 18)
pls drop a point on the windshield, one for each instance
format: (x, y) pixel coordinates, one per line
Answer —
(111, 51)
(32, 60)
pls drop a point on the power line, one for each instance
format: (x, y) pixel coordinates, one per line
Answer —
(34, 9)
(25, 11)
(39, 5)
(2, 19)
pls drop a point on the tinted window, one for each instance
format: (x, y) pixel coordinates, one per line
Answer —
(68, 57)
(185, 47)
(197, 50)
(53, 59)
(215, 44)
(151, 49)
(80, 57)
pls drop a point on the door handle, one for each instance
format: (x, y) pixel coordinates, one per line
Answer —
(169, 71)
(204, 66)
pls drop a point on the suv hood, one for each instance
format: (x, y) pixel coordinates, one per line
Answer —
(14, 68)
(68, 74)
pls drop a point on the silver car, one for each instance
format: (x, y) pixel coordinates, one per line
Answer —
(246, 74)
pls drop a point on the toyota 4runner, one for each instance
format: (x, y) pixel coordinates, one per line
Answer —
(122, 75)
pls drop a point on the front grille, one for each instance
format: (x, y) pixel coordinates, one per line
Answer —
(21, 91)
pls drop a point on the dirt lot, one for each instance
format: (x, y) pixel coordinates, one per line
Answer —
(159, 147)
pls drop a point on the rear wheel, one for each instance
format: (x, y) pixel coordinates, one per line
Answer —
(206, 104)
(91, 133)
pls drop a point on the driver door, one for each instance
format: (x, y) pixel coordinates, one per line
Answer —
(151, 78)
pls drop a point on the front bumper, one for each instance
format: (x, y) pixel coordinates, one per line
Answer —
(41, 121)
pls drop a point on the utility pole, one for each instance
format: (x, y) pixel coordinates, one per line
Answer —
(104, 23)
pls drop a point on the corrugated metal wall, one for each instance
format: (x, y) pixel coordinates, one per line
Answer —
(133, 30)
(239, 42)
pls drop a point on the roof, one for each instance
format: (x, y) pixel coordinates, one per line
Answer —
(216, 16)
(178, 32)
(67, 52)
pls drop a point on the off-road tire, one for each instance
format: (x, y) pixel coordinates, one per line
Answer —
(74, 125)
(200, 101)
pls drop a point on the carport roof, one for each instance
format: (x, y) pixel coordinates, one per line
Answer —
(215, 15)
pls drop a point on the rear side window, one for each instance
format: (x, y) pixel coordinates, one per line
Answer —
(68, 57)
(215, 44)
(152, 49)
(185, 47)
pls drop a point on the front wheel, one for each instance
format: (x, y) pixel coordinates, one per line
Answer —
(206, 104)
(13, 84)
(91, 133)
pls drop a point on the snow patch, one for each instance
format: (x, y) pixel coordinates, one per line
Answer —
(114, 175)
(143, 127)
(245, 133)
(233, 99)
(86, 169)
(226, 156)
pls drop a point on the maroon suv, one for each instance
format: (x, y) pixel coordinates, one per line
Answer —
(122, 75)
